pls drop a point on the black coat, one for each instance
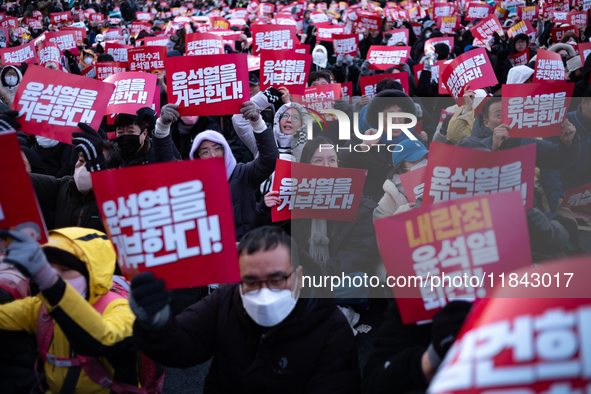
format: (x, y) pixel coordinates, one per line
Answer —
(183, 142)
(312, 351)
(59, 160)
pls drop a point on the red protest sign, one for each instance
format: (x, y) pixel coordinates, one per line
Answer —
(187, 237)
(137, 27)
(413, 183)
(382, 57)
(10, 21)
(577, 18)
(60, 17)
(578, 199)
(556, 33)
(471, 68)
(118, 51)
(320, 97)
(273, 37)
(347, 91)
(143, 16)
(218, 22)
(227, 35)
(536, 109)
(254, 63)
(79, 32)
(430, 43)
(33, 23)
(503, 344)
(285, 68)
(18, 205)
(266, 9)
(368, 84)
(528, 13)
(203, 44)
(316, 192)
(442, 10)
(14, 56)
(520, 59)
(303, 49)
(146, 58)
(467, 237)
(105, 69)
(133, 90)
(524, 27)
(345, 44)
(369, 21)
(65, 40)
(500, 12)
(156, 41)
(52, 103)
(318, 17)
(584, 51)
(112, 34)
(435, 71)
(549, 67)
(477, 11)
(215, 85)
(454, 172)
(484, 29)
(326, 31)
(96, 17)
(49, 52)
(397, 36)
(559, 16)
(448, 24)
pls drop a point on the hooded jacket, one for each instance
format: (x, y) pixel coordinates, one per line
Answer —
(78, 328)
(244, 178)
(11, 89)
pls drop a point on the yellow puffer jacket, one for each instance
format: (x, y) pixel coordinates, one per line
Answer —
(103, 331)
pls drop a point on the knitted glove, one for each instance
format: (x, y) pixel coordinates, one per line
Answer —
(90, 143)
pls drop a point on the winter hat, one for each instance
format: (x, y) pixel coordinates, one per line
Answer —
(411, 151)
(385, 99)
(442, 51)
(559, 47)
(428, 24)
(573, 64)
(320, 56)
(214, 136)
(519, 74)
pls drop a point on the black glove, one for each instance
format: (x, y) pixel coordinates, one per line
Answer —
(273, 95)
(90, 144)
(446, 325)
(7, 122)
(502, 55)
(149, 301)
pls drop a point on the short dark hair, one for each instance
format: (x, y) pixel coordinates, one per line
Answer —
(105, 57)
(113, 157)
(125, 120)
(316, 75)
(311, 146)
(262, 239)
(489, 102)
(387, 84)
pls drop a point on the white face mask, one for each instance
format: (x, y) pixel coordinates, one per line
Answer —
(82, 179)
(420, 164)
(46, 142)
(428, 34)
(11, 80)
(79, 284)
(88, 60)
(268, 308)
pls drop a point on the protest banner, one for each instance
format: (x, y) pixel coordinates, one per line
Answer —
(143, 16)
(454, 172)
(173, 219)
(65, 40)
(381, 57)
(10, 21)
(549, 67)
(19, 209)
(112, 34)
(14, 56)
(203, 44)
(413, 182)
(146, 58)
(347, 91)
(448, 24)
(96, 17)
(399, 14)
(156, 41)
(529, 13)
(369, 21)
(303, 49)
(578, 18)
(254, 63)
(441, 9)
(471, 237)
(559, 16)
(285, 68)
(326, 31)
(500, 12)
(266, 9)
(105, 69)
(273, 38)
(49, 52)
(484, 29)
(534, 315)
(536, 109)
(520, 59)
(133, 90)
(58, 18)
(471, 68)
(476, 11)
(51, 103)
(556, 33)
(307, 191)
(524, 27)
(584, 51)
(137, 27)
(397, 36)
(578, 200)
(368, 84)
(320, 97)
(430, 43)
(435, 71)
(219, 23)
(118, 51)
(79, 33)
(215, 85)
(33, 23)
(345, 44)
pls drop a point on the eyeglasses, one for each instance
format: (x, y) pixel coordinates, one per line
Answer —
(274, 283)
(295, 118)
(217, 150)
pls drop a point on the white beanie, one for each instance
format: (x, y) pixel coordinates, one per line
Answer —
(519, 74)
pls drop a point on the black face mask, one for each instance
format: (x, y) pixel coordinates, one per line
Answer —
(129, 144)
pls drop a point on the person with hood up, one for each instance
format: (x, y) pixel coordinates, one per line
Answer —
(244, 178)
(418, 49)
(90, 325)
(87, 58)
(11, 77)
(267, 334)
(319, 58)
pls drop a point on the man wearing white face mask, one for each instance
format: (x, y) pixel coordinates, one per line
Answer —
(263, 335)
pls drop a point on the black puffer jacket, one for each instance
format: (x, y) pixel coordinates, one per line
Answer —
(59, 160)
(312, 351)
(183, 136)
(63, 205)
